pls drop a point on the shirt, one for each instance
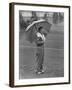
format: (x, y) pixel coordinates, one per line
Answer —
(41, 36)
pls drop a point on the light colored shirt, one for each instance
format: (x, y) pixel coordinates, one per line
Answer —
(41, 36)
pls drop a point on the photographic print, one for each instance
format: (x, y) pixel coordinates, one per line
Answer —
(39, 44)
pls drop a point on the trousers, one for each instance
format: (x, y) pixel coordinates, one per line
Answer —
(40, 57)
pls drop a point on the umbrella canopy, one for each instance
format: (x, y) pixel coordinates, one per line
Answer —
(33, 28)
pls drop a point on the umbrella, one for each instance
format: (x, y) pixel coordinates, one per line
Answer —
(33, 28)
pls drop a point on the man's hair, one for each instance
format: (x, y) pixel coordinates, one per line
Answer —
(39, 29)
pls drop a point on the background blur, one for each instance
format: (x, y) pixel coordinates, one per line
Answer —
(54, 45)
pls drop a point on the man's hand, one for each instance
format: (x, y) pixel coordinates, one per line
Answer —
(39, 40)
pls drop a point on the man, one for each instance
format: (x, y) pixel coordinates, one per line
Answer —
(41, 37)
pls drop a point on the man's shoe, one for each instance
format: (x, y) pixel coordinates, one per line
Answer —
(42, 71)
(39, 72)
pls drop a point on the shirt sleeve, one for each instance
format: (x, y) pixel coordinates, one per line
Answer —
(39, 38)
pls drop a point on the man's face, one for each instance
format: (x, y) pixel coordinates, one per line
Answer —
(43, 31)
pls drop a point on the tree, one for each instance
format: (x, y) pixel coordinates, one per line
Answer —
(23, 24)
(34, 16)
(55, 17)
(61, 17)
(45, 16)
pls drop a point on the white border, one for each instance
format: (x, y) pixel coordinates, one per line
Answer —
(16, 44)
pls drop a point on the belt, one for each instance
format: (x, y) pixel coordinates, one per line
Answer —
(40, 44)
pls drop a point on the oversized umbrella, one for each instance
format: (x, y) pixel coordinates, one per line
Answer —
(33, 28)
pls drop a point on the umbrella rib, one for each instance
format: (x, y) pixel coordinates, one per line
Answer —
(42, 20)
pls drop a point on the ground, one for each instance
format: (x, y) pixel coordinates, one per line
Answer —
(53, 59)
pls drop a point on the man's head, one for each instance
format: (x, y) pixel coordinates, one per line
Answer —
(42, 30)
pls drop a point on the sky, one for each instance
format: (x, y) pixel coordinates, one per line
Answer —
(29, 14)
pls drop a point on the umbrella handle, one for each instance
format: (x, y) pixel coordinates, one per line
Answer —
(36, 28)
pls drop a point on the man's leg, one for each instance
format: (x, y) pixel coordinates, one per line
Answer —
(40, 58)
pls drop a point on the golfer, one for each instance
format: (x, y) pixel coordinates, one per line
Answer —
(41, 37)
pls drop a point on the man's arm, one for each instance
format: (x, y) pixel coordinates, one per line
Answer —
(39, 40)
